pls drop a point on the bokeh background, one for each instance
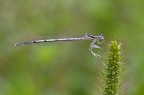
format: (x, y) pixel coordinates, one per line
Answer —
(65, 68)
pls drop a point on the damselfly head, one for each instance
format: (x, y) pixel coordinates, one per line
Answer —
(100, 38)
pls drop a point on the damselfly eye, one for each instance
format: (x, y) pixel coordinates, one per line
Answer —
(99, 34)
(100, 37)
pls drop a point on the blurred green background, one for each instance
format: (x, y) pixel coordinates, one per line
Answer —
(65, 68)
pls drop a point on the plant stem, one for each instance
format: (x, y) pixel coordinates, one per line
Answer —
(113, 69)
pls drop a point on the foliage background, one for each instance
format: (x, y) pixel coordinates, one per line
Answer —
(65, 69)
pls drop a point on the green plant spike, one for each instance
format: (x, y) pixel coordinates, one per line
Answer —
(113, 69)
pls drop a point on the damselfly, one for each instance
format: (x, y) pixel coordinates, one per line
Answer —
(94, 38)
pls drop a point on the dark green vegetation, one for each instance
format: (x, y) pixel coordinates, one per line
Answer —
(113, 69)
